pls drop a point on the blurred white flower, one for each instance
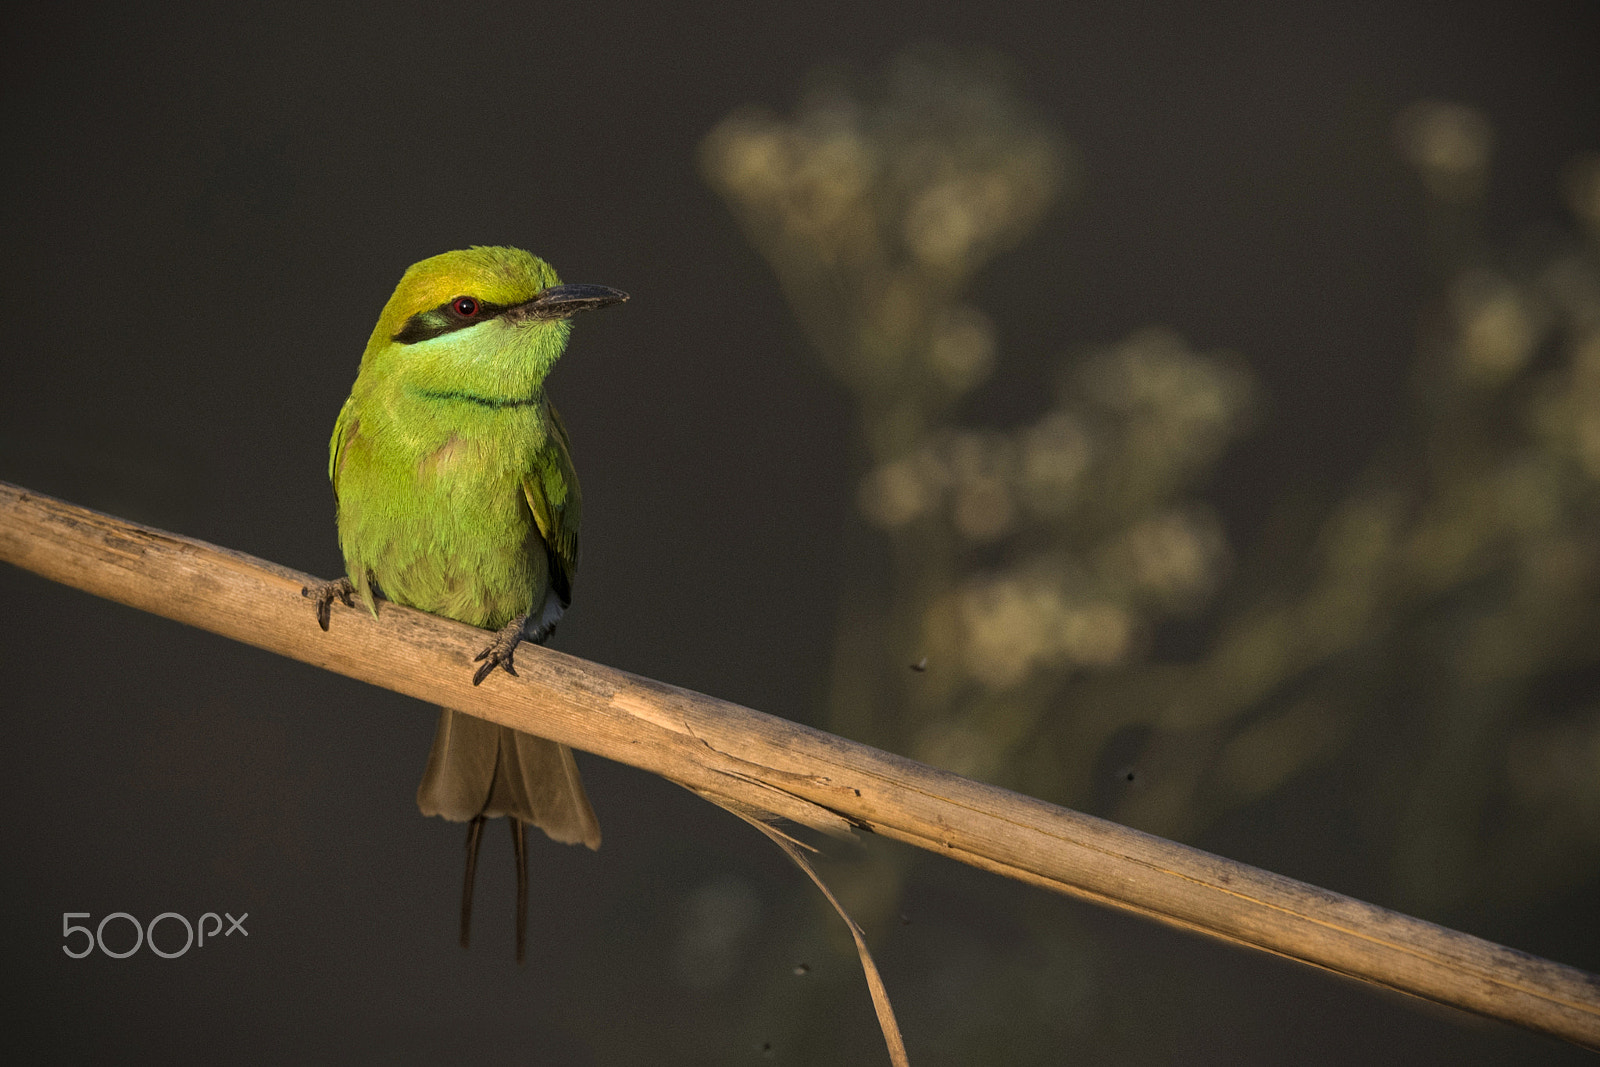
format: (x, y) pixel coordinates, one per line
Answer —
(962, 349)
(1055, 454)
(1497, 326)
(893, 494)
(1449, 144)
(1013, 624)
(1174, 558)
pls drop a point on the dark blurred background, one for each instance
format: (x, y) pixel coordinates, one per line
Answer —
(1211, 397)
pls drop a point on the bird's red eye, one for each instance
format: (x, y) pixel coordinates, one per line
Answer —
(465, 306)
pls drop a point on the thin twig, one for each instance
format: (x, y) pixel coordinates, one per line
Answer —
(880, 994)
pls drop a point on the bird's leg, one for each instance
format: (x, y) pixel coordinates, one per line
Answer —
(500, 652)
(324, 593)
(519, 844)
(474, 833)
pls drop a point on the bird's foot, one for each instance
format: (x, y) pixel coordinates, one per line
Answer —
(323, 595)
(499, 654)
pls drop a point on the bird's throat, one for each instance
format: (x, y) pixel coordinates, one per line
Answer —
(494, 402)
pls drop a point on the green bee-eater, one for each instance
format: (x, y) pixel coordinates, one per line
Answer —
(456, 495)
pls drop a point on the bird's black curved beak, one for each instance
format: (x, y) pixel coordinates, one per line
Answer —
(565, 301)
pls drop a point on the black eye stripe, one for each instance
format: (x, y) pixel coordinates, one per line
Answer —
(436, 322)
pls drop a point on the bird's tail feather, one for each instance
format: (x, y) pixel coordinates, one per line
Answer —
(479, 768)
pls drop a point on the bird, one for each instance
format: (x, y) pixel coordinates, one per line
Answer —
(455, 494)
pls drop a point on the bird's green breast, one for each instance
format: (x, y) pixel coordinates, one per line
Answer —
(431, 504)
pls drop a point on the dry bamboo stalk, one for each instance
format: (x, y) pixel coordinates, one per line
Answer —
(745, 758)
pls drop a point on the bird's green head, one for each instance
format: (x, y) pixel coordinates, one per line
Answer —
(486, 323)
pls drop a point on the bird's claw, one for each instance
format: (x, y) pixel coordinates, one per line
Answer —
(500, 653)
(324, 593)
(496, 659)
